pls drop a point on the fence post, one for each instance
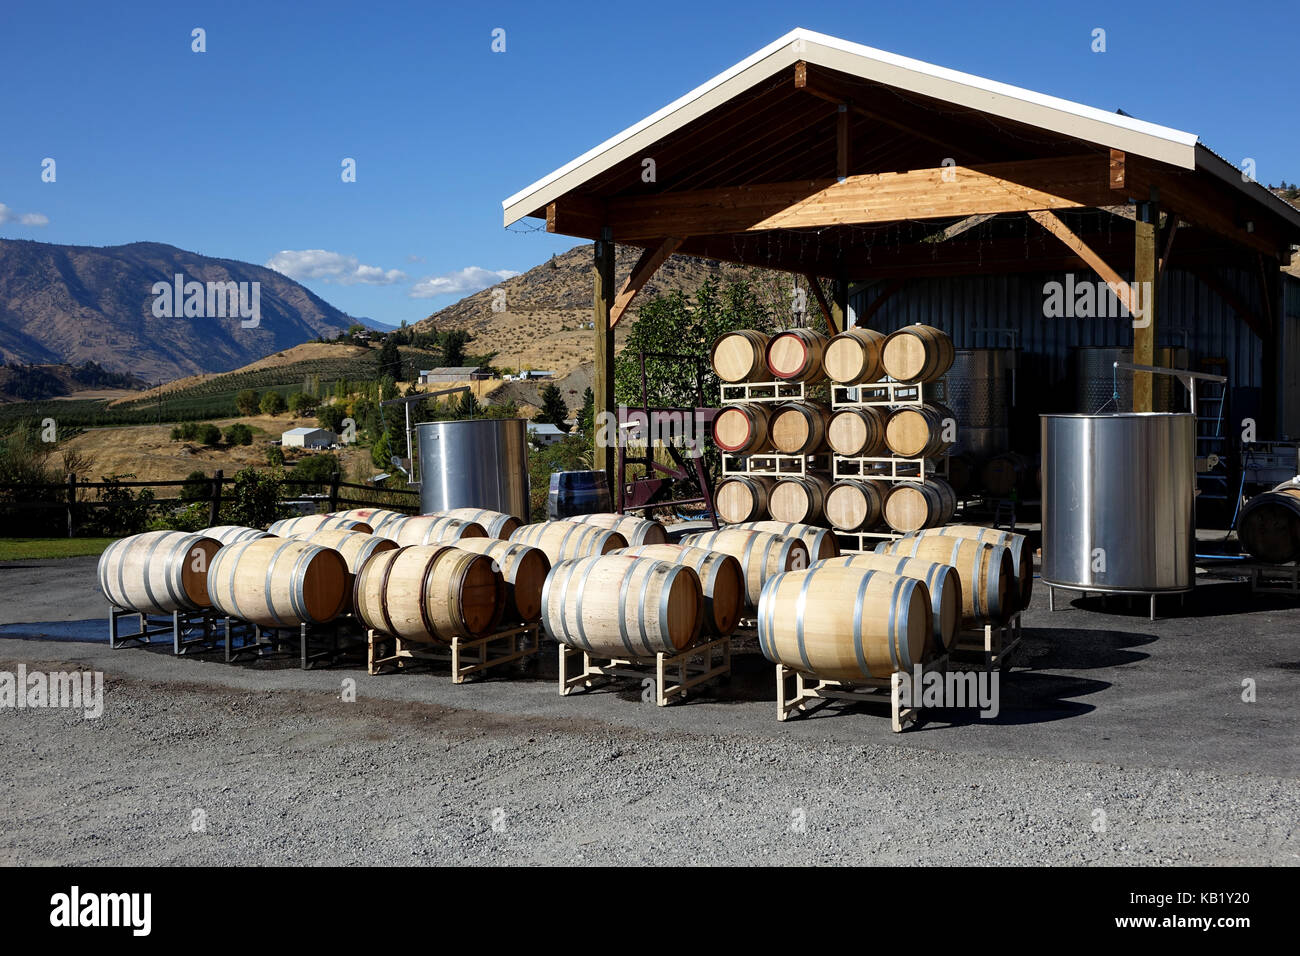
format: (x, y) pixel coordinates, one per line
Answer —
(214, 511)
(334, 492)
(72, 502)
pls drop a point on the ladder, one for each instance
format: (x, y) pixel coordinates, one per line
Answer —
(1211, 444)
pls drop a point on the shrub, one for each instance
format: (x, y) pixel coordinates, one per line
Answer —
(318, 468)
(248, 402)
(197, 486)
(209, 434)
(274, 456)
(254, 499)
(272, 403)
(331, 417)
(301, 403)
(239, 434)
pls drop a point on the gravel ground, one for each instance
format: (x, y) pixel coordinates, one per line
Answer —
(1114, 720)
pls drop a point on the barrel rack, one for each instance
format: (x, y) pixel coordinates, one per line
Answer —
(993, 645)
(263, 641)
(467, 657)
(809, 689)
(769, 464)
(694, 666)
(181, 625)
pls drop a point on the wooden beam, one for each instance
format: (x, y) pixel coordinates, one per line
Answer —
(842, 142)
(940, 192)
(602, 302)
(957, 228)
(1172, 229)
(646, 267)
(1052, 223)
(839, 320)
(1145, 278)
(815, 285)
(575, 216)
(1117, 161)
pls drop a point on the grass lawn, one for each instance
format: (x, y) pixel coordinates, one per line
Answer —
(25, 549)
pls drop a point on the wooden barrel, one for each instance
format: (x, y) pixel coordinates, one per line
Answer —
(796, 355)
(743, 428)
(761, 554)
(920, 431)
(375, 517)
(636, 530)
(844, 624)
(524, 569)
(739, 356)
(961, 473)
(799, 428)
(912, 505)
(721, 580)
(799, 499)
(386, 523)
(233, 533)
(568, 540)
(853, 356)
(741, 498)
(917, 353)
(1022, 558)
(820, 541)
(941, 580)
(430, 594)
(497, 524)
(1269, 525)
(615, 605)
(856, 504)
(858, 432)
(1003, 474)
(988, 583)
(158, 572)
(289, 526)
(279, 582)
(433, 529)
(357, 547)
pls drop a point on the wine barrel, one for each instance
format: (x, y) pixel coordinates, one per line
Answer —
(721, 580)
(844, 624)
(858, 432)
(497, 524)
(856, 504)
(357, 547)
(742, 497)
(917, 353)
(961, 472)
(1269, 525)
(233, 533)
(289, 526)
(912, 505)
(739, 356)
(799, 428)
(941, 580)
(1022, 558)
(988, 584)
(1003, 474)
(636, 530)
(761, 554)
(799, 499)
(796, 355)
(279, 582)
(743, 428)
(524, 569)
(577, 492)
(853, 356)
(820, 541)
(375, 517)
(158, 572)
(615, 605)
(433, 529)
(920, 431)
(568, 540)
(430, 594)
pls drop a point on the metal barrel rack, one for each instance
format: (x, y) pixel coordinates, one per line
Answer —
(181, 626)
(673, 676)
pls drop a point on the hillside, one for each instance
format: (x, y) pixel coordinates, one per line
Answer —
(72, 304)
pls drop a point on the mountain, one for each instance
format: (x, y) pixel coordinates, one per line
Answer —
(73, 304)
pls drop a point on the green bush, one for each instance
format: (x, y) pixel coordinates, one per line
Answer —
(254, 499)
(318, 468)
(301, 403)
(118, 511)
(272, 403)
(274, 456)
(239, 434)
(197, 487)
(190, 518)
(331, 417)
(248, 402)
(209, 434)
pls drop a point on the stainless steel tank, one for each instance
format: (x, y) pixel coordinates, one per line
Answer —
(482, 463)
(1096, 380)
(1118, 493)
(978, 390)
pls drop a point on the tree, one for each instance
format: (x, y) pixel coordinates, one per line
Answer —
(380, 453)
(318, 468)
(247, 402)
(197, 487)
(389, 360)
(331, 417)
(255, 499)
(239, 434)
(209, 434)
(453, 347)
(587, 414)
(301, 403)
(272, 403)
(554, 411)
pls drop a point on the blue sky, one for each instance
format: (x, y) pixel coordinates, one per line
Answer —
(237, 152)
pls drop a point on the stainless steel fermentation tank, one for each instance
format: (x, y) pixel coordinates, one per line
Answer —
(481, 463)
(1097, 381)
(978, 390)
(1118, 502)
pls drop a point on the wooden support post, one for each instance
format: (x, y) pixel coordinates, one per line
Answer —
(842, 143)
(334, 490)
(214, 508)
(839, 301)
(815, 287)
(1145, 276)
(602, 307)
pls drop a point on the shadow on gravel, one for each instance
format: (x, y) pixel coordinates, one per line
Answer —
(1069, 648)
(1209, 599)
(91, 631)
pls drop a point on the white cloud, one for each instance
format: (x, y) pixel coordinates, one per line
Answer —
(301, 264)
(26, 219)
(464, 282)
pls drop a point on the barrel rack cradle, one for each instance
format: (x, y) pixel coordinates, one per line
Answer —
(993, 645)
(809, 689)
(180, 627)
(695, 665)
(891, 468)
(264, 641)
(467, 657)
(769, 464)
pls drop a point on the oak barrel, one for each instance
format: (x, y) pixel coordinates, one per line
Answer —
(377, 518)
(615, 605)
(856, 504)
(920, 431)
(858, 432)
(799, 428)
(1002, 474)
(742, 497)
(761, 554)
(853, 356)
(357, 547)
(524, 569)
(1269, 525)
(430, 594)
(567, 540)
(279, 582)
(721, 580)
(433, 529)
(799, 499)
(636, 530)
(988, 583)
(917, 353)
(233, 533)
(913, 505)
(820, 541)
(796, 355)
(743, 428)
(740, 356)
(1022, 558)
(845, 624)
(497, 524)
(158, 572)
(941, 580)
(289, 526)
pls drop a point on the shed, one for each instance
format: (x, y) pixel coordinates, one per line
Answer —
(308, 438)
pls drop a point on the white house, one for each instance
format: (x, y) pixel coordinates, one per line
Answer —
(308, 438)
(544, 434)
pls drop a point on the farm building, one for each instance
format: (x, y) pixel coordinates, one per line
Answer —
(544, 433)
(308, 438)
(454, 374)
